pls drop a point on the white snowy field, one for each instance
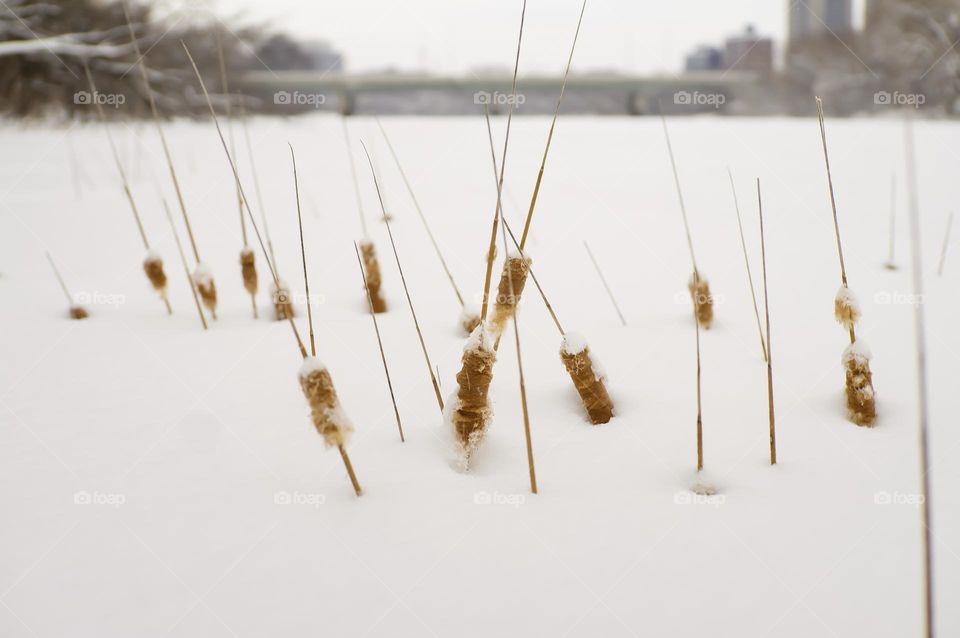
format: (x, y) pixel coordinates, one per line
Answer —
(159, 480)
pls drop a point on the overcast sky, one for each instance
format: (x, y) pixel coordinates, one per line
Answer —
(453, 36)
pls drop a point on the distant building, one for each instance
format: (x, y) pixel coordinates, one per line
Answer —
(812, 18)
(705, 58)
(748, 52)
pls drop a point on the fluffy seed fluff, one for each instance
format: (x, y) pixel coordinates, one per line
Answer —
(471, 414)
(846, 308)
(702, 300)
(861, 398)
(588, 381)
(248, 267)
(515, 268)
(325, 411)
(203, 280)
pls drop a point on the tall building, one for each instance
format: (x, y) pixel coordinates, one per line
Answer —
(812, 18)
(748, 52)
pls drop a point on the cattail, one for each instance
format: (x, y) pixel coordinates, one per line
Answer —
(469, 318)
(587, 379)
(76, 311)
(374, 281)
(702, 300)
(249, 270)
(328, 417)
(153, 267)
(861, 404)
(512, 281)
(203, 280)
(861, 401)
(471, 411)
(282, 300)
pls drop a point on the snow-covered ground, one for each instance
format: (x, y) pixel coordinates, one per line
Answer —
(158, 480)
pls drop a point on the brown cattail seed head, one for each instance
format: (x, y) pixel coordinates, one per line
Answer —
(469, 318)
(702, 300)
(325, 411)
(248, 268)
(203, 279)
(282, 301)
(845, 308)
(861, 399)
(153, 266)
(78, 312)
(586, 378)
(374, 280)
(471, 413)
(515, 268)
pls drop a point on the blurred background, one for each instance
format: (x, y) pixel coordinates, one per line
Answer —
(739, 57)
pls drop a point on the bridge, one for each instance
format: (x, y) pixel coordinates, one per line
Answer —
(424, 93)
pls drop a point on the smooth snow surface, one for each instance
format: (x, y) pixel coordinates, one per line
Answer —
(161, 480)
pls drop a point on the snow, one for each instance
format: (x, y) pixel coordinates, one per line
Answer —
(158, 479)
(845, 297)
(202, 276)
(573, 343)
(311, 365)
(151, 256)
(858, 350)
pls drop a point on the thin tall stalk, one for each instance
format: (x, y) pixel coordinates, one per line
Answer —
(228, 110)
(353, 174)
(923, 392)
(256, 185)
(746, 261)
(503, 167)
(769, 351)
(383, 355)
(523, 384)
(891, 264)
(423, 219)
(553, 125)
(236, 176)
(303, 252)
(946, 242)
(186, 268)
(833, 204)
(406, 290)
(699, 399)
(603, 279)
(63, 284)
(683, 206)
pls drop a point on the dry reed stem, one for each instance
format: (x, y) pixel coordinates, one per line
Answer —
(946, 242)
(423, 219)
(861, 400)
(606, 286)
(746, 260)
(76, 311)
(891, 264)
(590, 385)
(702, 300)
(356, 183)
(383, 354)
(922, 389)
(403, 279)
(303, 252)
(696, 279)
(183, 260)
(513, 279)
(768, 351)
(374, 281)
(553, 126)
(472, 414)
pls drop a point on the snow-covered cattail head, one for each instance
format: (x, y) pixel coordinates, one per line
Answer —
(203, 280)
(587, 378)
(153, 267)
(325, 411)
(248, 268)
(861, 398)
(512, 281)
(282, 301)
(702, 299)
(471, 411)
(470, 318)
(846, 308)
